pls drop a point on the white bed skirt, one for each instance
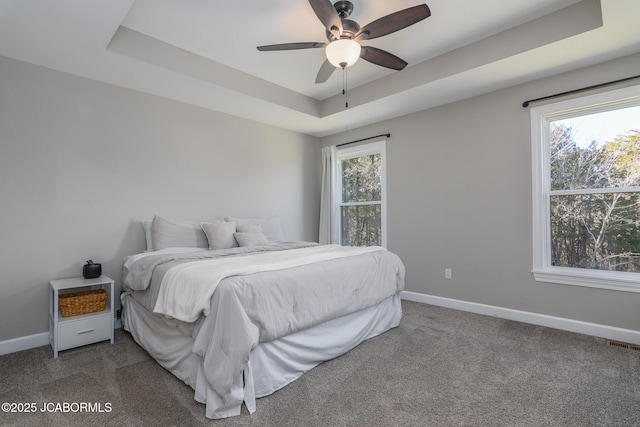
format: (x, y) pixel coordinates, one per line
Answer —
(272, 365)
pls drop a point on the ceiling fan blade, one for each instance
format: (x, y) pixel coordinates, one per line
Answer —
(328, 15)
(382, 58)
(291, 46)
(326, 69)
(393, 22)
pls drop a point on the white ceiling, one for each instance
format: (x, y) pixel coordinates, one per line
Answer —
(203, 52)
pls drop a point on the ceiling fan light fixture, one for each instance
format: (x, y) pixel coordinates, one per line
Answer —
(343, 53)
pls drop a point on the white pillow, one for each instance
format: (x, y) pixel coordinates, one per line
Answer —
(166, 233)
(251, 239)
(270, 226)
(220, 234)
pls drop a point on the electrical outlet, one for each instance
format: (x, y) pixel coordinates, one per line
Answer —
(447, 273)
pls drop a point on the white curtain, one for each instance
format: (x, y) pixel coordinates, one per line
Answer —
(328, 232)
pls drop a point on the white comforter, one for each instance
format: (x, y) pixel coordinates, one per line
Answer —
(186, 289)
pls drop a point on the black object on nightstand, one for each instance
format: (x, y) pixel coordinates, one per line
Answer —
(91, 270)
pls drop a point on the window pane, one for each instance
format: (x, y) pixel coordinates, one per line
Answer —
(596, 151)
(596, 231)
(361, 179)
(361, 225)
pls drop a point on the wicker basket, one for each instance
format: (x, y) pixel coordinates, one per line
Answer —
(76, 303)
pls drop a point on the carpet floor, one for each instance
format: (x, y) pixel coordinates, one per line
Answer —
(440, 367)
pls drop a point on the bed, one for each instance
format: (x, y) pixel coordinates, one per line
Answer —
(237, 312)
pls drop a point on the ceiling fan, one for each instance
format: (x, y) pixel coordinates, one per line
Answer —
(344, 35)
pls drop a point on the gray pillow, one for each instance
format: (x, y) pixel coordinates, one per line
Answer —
(248, 228)
(251, 239)
(270, 226)
(166, 233)
(220, 234)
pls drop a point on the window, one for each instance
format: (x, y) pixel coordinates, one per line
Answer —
(362, 191)
(586, 191)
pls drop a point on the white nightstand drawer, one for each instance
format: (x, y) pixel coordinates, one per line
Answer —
(84, 330)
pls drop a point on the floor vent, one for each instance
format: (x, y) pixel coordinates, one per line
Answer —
(624, 345)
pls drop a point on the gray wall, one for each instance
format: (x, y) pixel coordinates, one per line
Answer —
(81, 163)
(459, 179)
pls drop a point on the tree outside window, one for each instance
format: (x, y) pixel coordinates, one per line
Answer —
(361, 172)
(594, 209)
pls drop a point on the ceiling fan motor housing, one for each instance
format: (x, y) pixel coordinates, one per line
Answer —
(349, 28)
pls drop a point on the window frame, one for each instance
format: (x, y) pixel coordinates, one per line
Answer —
(377, 147)
(541, 116)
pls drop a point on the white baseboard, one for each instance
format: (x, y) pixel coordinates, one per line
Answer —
(32, 341)
(609, 332)
(24, 343)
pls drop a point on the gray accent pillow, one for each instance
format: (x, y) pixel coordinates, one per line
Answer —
(270, 226)
(220, 234)
(167, 233)
(251, 239)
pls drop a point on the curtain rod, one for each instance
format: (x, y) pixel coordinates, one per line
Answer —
(526, 103)
(364, 139)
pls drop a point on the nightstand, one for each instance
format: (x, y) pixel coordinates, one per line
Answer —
(83, 329)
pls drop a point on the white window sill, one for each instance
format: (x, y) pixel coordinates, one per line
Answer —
(628, 282)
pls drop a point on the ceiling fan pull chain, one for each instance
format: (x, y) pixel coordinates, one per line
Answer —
(344, 87)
